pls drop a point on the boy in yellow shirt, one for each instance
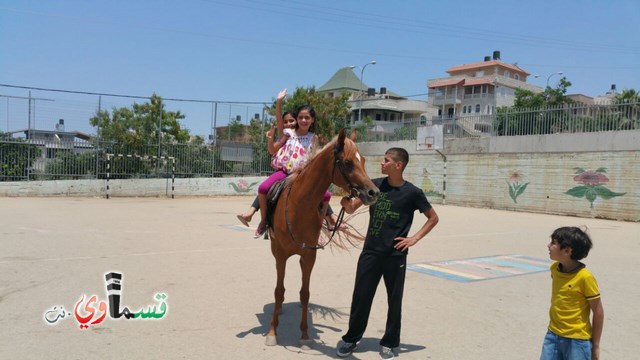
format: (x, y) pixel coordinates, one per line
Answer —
(574, 291)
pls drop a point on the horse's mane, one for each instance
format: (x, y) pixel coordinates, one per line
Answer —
(343, 239)
(316, 149)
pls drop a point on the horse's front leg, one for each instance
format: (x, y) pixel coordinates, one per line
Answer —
(281, 265)
(306, 265)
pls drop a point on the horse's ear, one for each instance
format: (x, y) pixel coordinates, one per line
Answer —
(354, 135)
(341, 137)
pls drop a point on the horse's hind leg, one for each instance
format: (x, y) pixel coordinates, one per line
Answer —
(279, 299)
(306, 265)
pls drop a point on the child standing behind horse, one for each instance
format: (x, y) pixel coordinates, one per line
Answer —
(291, 156)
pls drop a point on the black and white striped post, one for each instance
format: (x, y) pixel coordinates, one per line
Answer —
(173, 175)
(108, 173)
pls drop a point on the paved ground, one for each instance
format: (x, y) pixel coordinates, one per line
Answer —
(220, 281)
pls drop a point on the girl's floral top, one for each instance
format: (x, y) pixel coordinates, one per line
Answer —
(293, 153)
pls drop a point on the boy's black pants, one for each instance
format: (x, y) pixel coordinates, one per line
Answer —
(372, 267)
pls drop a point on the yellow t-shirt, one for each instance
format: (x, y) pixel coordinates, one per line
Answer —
(570, 295)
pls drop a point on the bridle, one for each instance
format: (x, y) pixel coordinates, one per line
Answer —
(353, 192)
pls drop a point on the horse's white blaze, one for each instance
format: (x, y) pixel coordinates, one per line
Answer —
(358, 157)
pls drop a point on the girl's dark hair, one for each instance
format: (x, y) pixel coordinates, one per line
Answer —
(574, 238)
(290, 113)
(311, 111)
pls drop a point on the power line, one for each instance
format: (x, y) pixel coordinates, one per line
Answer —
(372, 20)
(132, 96)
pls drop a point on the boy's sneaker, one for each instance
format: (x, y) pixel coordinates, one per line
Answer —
(346, 349)
(386, 353)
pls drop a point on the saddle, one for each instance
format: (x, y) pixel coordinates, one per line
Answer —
(272, 199)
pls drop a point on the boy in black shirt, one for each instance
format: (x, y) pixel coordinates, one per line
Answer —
(384, 254)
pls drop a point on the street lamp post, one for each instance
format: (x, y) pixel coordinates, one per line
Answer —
(549, 77)
(547, 97)
(372, 62)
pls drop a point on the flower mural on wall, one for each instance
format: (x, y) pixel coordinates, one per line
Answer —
(516, 186)
(427, 185)
(592, 185)
(243, 186)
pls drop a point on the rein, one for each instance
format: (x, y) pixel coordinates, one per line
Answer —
(340, 164)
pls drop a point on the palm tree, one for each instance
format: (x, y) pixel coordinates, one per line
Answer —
(628, 102)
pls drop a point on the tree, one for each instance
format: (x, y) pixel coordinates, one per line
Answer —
(261, 158)
(556, 97)
(16, 155)
(627, 96)
(628, 102)
(69, 165)
(526, 99)
(142, 124)
(363, 128)
(235, 129)
(545, 111)
(148, 130)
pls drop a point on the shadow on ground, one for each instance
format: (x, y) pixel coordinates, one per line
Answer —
(289, 333)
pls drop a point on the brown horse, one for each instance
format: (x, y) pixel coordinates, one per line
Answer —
(297, 220)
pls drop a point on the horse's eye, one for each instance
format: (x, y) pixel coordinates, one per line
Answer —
(348, 165)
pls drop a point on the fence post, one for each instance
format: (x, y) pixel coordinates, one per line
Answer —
(96, 149)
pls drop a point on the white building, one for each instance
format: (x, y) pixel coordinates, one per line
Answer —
(478, 88)
(388, 110)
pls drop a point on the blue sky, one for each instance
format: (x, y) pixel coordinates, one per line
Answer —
(246, 51)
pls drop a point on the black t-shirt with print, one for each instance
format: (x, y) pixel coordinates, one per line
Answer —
(392, 215)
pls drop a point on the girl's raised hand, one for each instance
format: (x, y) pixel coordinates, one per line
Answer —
(282, 94)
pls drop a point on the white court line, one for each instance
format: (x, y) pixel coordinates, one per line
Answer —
(127, 255)
(478, 234)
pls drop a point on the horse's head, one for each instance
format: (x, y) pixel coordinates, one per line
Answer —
(349, 172)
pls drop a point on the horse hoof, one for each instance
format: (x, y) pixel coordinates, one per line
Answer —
(271, 341)
(306, 344)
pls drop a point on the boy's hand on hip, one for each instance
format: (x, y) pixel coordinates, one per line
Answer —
(403, 244)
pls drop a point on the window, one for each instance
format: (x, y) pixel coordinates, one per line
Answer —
(479, 73)
(506, 73)
(477, 108)
(516, 76)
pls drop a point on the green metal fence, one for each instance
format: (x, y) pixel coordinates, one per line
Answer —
(20, 160)
(57, 160)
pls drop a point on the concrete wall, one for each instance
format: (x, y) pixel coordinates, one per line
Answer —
(134, 187)
(546, 181)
